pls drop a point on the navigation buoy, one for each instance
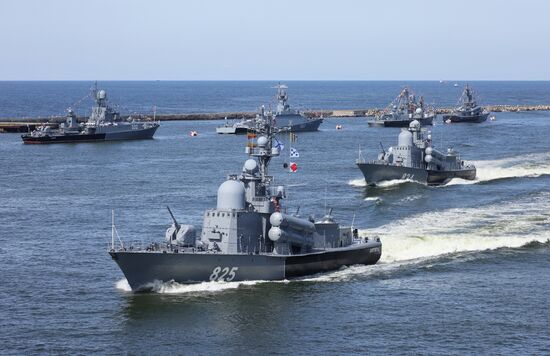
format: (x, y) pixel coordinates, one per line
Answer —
(193, 133)
(339, 127)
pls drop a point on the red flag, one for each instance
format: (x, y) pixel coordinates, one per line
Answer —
(293, 167)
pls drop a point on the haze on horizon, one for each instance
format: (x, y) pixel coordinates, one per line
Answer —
(286, 40)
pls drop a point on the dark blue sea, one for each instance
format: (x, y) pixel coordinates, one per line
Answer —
(465, 267)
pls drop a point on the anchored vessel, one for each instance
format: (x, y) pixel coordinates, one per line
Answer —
(467, 109)
(249, 235)
(104, 124)
(403, 110)
(415, 158)
(286, 118)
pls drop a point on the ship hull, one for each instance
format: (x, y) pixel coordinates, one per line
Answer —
(286, 125)
(142, 134)
(466, 118)
(232, 130)
(310, 125)
(376, 173)
(143, 268)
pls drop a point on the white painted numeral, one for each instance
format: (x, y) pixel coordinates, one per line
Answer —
(227, 274)
(214, 275)
(231, 275)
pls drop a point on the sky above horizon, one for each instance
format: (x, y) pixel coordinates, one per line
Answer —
(275, 40)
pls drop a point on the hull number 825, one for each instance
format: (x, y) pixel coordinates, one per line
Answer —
(226, 274)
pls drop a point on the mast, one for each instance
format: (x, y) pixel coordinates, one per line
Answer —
(282, 98)
(113, 229)
(263, 150)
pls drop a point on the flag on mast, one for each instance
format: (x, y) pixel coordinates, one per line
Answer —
(293, 137)
(294, 153)
(293, 167)
(279, 145)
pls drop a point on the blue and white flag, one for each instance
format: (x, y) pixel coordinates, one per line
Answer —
(279, 145)
(294, 152)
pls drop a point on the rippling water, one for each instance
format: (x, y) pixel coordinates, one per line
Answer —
(464, 266)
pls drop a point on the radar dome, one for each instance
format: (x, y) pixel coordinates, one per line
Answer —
(419, 110)
(429, 150)
(262, 141)
(101, 94)
(250, 166)
(231, 195)
(405, 138)
(415, 125)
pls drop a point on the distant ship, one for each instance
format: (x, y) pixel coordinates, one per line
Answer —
(403, 110)
(415, 158)
(286, 118)
(467, 110)
(249, 235)
(104, 124)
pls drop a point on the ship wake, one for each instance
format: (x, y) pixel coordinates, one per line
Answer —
(529, 165)
(172, 287)
(360, 182)
(454, 232)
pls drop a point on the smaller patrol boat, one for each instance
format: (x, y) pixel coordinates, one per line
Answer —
(104, 124)
(236, 128)
(467, 109)
(249, 235)
(415, 158)
(286, 118)
(403, 110)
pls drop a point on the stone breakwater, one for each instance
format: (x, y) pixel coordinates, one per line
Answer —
(29, 123)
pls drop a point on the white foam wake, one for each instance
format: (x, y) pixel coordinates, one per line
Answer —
(360, 182)
(179, 288)
(123, 285)
(511, 224)
(431, 235)
(529, 165)
(374, 199)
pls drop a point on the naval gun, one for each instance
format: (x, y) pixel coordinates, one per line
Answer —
(182, 235)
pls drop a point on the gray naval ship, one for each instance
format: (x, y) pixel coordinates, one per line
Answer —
(416, 159)
(467, 109)
(286, 118)
(403, 110)
(248, 236)
(104, 124)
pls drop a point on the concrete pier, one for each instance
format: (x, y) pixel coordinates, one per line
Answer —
(26, 124)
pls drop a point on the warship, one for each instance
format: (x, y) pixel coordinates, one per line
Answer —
(467, 109)
(286, 118)
(403, 110)
(249, 235)
(415, 158)
(104, 124)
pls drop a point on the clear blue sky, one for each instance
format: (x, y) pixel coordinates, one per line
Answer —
(272, 40)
